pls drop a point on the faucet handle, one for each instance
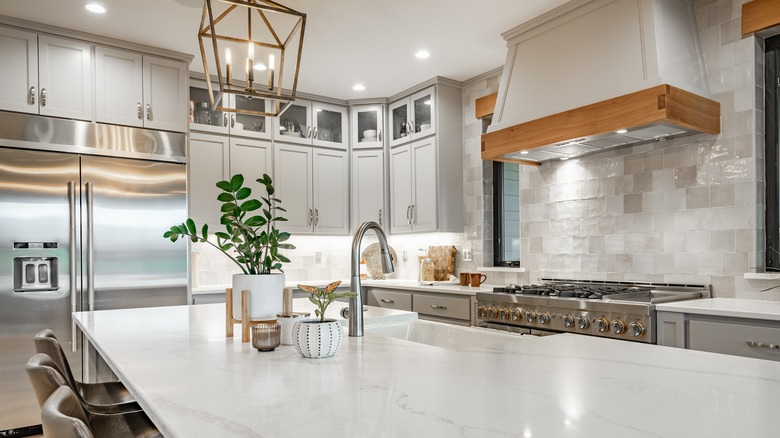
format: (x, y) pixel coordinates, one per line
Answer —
(345, 312)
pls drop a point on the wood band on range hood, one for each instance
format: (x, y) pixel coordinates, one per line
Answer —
(660, 104)
(759, 15)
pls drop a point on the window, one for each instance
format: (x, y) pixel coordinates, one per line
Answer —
(772, 143)
(506, 217)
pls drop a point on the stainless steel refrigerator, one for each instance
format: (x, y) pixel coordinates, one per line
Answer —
(81, 231)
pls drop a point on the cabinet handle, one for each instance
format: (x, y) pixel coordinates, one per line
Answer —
(316, 216)
(763, 345)
(32, 95)
(380, 217)
(315, 133)
(140, 110)
(224, 120)
(408, 217)
(379, 134)
(412, 123)
(43, 97)
(409, 128)
(413, 218)
(232, 120)
(387, 301)
(311, 216)
(308, 132)
(434, 306)
(148, 111)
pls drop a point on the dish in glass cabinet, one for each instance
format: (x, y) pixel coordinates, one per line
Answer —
(373, 257)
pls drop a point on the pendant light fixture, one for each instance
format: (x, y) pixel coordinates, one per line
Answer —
(255, 47)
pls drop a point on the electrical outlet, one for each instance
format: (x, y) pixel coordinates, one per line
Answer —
(466, 255)
(405, 256)
(318, 257)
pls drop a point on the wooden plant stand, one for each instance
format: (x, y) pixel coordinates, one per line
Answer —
(245, 322)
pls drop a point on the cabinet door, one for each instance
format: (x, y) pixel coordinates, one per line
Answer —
(330, 126)
(65, 78)
(293, 183)
(165, 94)
(251, 158)
(424, 203)
(208, 163)
(250, 125)
(295, 125)
(19, 70)
(400, 188)
(331, 192)
(368, 187)
(399, 129)
(202, 117)
(118, 87)
(367, 125)
(423, 106)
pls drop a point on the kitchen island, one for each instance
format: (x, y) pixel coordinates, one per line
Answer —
(194, 382)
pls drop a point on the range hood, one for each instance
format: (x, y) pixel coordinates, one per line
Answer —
(599, 74)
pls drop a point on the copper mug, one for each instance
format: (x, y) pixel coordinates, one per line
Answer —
(464, 278)
(477, 279)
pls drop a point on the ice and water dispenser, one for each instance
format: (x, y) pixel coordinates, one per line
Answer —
(35, 273)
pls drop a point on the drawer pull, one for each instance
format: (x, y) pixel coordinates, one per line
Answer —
(763, 345)
(387, 301)
(434, 306)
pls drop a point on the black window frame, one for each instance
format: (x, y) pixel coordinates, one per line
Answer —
(498, 218)
(772, 153)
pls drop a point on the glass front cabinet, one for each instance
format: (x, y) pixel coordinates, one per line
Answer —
(314, 123)
(413, 117)
(367, 125)
(205, 119)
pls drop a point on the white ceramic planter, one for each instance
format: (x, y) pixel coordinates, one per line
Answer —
(313, 338)
(265, 295)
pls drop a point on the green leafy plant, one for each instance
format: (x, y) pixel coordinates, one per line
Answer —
(323, 297)
(251, 239)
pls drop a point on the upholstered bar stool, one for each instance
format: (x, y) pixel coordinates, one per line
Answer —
(46, 380)
(106, 397)
(63, 417)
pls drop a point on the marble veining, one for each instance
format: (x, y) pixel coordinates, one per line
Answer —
(193, 382)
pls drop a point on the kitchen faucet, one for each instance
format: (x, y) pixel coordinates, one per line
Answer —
(356, 302)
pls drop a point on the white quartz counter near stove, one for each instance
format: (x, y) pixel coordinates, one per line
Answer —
(731, 307)
(193, 382)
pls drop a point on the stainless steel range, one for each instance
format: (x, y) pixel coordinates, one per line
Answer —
(620, 310)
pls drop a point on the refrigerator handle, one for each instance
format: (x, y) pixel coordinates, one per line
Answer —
(72, 264)
(90, 249)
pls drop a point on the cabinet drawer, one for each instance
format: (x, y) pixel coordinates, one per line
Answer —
(390, 300)
(734, 338)
(443, 306)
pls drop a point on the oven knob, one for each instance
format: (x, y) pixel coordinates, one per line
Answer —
(618, 326)
(483, 311)
(504, 313)
(603, 325)
(568, 321)
(530, 316)
(544, 318)
(493, 312)
(636, 329)
(582, 322)
(517, 315)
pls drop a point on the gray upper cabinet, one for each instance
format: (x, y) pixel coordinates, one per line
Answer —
(314, 123)
(206, 118)
(367, 126)
(413, 117)
(45, 75)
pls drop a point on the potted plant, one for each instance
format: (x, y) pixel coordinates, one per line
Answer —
(319, 337)
(251, 240)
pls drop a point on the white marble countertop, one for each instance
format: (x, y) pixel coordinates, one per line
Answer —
(414, 285)
(193, 382)
(733, 307)
(220, 288)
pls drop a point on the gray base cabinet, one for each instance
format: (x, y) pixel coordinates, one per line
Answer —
(754, 338)
(442, 307)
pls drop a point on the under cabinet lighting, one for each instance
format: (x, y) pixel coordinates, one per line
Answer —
(622, 131)
(564, 158)
(95, 8)
(524, 152)
(358, 87)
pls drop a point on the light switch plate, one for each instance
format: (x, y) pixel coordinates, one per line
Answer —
(318, 257)
(466, 255)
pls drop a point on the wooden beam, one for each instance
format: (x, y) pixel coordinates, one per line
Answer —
(759, 15)
(662, 103)
(485, 105)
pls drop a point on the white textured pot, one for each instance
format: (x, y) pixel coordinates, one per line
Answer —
(313, 338)
(265, 295)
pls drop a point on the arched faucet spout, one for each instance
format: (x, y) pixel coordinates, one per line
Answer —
(356, 302)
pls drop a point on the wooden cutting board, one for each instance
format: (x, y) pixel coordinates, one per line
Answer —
(443, 261)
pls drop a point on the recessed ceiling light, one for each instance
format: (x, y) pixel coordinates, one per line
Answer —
(422, 54)
(95, 8)
(358, 87)
(260, 66)
(622, 131)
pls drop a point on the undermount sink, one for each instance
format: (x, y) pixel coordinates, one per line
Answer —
(442, 335)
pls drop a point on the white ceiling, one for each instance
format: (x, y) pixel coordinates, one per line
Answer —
(347, 41)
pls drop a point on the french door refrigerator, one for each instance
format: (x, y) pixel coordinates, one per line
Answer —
(79, 232)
